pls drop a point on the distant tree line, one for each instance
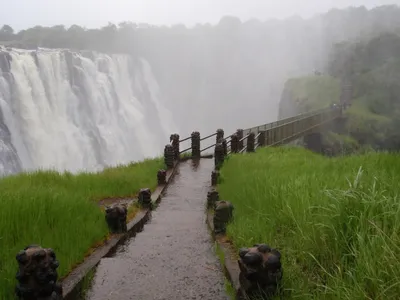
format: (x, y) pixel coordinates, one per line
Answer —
(125, 37)
(110, 38)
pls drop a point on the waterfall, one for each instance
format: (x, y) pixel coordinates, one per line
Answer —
(73, 111)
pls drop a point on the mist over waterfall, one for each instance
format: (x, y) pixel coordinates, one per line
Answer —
(74, 111)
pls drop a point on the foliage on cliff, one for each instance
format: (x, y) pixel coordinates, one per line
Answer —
(372, 67)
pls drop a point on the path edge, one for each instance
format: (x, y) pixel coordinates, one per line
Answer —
(72, 282)
(230, 267)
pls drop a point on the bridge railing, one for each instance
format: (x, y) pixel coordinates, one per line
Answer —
(247, 140)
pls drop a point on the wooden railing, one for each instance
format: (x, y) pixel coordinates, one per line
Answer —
(247, 140)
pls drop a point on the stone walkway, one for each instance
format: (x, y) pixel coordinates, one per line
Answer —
(173, 258)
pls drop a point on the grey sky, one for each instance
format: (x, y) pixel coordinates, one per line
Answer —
(94, 13)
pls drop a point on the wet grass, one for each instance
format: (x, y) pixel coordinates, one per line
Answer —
(335, 220)
(60, 211)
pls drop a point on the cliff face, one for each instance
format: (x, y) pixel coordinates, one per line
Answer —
(308, 93)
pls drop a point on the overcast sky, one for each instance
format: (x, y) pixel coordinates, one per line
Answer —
(95, 13)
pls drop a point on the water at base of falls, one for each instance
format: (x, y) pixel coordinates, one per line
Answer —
(73, 111)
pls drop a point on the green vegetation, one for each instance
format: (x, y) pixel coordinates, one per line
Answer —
(60, 211)
(314, 92)
(335, 220)
(372, 67)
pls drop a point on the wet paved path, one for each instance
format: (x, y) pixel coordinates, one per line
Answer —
(173, 257)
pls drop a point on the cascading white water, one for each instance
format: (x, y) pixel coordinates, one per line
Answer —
(78, 111)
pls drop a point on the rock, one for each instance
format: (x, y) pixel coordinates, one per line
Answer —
(5, 61)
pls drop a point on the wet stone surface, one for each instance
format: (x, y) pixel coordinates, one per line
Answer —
(173, 257)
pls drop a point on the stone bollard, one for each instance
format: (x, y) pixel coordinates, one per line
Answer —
(37, 274)
(214, 178)
(195, 144)
(234, 143)
(261, 139)
(223, 214)
(212, 199)
(251, 139)
(161, 177)
(220, 135)
(225, 147)
(169, 156)
(260, 268)
(219, 155)
(239, 134)
(144, 198)
(116, 217)
(174, 138)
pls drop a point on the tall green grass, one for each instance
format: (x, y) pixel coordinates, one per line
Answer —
(60, 211)
(335, 220)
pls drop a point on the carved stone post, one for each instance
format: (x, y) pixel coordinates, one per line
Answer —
(261, 139)
(144, 198)
(219, 155)
(234, 143)
(225, 147)
(174, 138)
(220, 135)
(37, 274)
(260, 268)
(212, 199)
(116, 217)
(251, 139)
(195, 144)
(239, 134)
(214, 178)
(161, 177)
(169, 156)
(223, 214)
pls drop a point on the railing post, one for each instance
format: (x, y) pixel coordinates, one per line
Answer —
(212, 198)
(214, 177)
(144, 198)
(195, 144)
(220, 135)
(251, 139)
(116, 216)
(234, 143)
(219, 155)
(239, 134)
(37, 274)
(161, 177)
(261, 139)
(174, 138)
(225, 147)
(169, 156)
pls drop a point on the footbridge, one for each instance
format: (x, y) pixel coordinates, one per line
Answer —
(307, 125)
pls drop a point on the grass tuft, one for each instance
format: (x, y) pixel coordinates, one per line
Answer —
(60, 211)
(335, 220)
